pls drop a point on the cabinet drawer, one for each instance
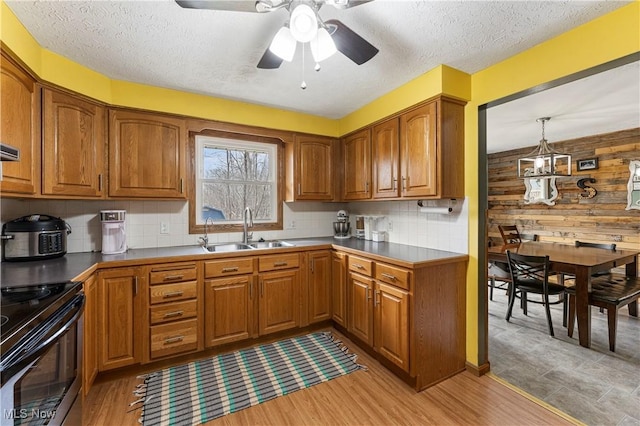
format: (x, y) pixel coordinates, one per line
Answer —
(173, 292)
(392, 275)
(279, 261)
(172, 275)
(360, 265)
(174, 338)
(173, 311)
(223, 268)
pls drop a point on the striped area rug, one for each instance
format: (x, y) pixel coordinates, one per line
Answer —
(200, 391)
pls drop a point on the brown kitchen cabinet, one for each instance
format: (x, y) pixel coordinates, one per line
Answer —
(173, 310)
(230, 297)
(360, 322)
(339, 288)
(419, 157)
(279, 292)
(147, 155)
(73, 146)
(313, 168)
(385, 152)
(20, 128)
(90, 334)
(391, 324)
(357, 166)
(121, 317)
(319, 285)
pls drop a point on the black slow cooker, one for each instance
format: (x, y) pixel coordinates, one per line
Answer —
(34, 237)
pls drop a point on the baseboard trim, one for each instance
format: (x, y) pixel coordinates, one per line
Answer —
(478, 370)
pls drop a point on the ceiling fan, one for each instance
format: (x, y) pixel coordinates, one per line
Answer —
(304, 25)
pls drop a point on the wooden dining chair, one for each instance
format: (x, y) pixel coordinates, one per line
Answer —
(610, 292)
(530, 274)
(498, 272)
(510, 234)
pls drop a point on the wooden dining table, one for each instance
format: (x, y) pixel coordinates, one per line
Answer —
(581, 262)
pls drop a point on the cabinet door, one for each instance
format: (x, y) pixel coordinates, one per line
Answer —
(120, 303)
(319, 286)
(73, 143)
(314, 168)
(20, 128)
(392, 324)
(147, 155)
(357, 166)
(279, 301)
(361, 303)
(339, 290)
(90, 336)
(385, 145)
(418, 152)
(228, 309)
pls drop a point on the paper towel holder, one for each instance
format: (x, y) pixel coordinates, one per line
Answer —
(437, 209)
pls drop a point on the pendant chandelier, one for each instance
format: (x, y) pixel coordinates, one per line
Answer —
(544, 162)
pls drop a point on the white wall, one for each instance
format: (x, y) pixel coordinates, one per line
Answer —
(303, 219)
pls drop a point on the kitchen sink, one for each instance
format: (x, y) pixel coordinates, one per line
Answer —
(270, 244)
(227, 247)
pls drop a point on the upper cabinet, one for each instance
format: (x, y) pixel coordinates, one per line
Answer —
(357, 166)
(416, 154)
(313, 165)
(20, 128)
(74, 139)
(147, 155)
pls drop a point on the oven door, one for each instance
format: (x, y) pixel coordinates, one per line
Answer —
(42, 374)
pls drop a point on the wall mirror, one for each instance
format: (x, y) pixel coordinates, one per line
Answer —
(540, 190)
(633, 187)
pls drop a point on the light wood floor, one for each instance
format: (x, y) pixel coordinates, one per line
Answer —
(373, 397)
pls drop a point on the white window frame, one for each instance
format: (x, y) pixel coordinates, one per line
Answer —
(202, 141)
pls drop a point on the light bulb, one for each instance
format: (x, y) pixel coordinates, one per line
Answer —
(322, 45)
(303, 23)
(283, 44)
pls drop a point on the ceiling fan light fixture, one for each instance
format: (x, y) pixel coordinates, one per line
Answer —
(322, 45)
(303, 23)
(544, 161)
(283, 44)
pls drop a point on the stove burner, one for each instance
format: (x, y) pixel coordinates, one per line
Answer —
(29, 294)
(3, 320)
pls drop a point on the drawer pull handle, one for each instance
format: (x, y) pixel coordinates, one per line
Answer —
(173, 277)
(174, 339)
(173, 294)
(359, 266)
(173, 314)
(389, 276)
(280, 264)
(232, 269)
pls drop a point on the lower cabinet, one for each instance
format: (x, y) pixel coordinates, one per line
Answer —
(120, 317)
(339, 288)
(319, 286)
(229, 309)
(360, 322)
(279, 301)
(90, 335)
(173, 310)
(391, 324)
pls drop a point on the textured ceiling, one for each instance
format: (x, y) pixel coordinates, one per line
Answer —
(215, 52)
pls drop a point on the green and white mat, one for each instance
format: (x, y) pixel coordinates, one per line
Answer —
(200, 391)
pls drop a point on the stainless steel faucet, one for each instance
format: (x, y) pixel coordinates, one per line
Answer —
(247, 223)
(205, 238)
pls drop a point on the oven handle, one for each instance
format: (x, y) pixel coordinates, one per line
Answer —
(78, 304)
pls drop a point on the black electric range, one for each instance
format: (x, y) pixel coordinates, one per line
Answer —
(23, 308)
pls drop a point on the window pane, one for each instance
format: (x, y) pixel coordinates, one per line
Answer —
(215, 163)
(223, 201)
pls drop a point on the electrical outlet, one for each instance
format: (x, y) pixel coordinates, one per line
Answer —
(291, 224)
(390, 226)
(164, 228)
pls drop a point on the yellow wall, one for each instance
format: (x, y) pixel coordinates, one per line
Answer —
(609, 37)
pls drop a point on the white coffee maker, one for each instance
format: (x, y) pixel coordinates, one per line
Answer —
(114, 236)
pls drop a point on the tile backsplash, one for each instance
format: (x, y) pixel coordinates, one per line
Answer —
(302, 219)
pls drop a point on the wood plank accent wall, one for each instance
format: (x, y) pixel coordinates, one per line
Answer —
(599, 219)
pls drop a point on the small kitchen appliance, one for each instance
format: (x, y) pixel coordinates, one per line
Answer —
(341, 226)
(114, 236)
(34, 237)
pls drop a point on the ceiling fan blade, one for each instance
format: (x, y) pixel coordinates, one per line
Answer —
(349, 43)
(270, 61)
(232, 5)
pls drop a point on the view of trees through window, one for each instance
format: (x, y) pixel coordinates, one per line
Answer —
(234, 178)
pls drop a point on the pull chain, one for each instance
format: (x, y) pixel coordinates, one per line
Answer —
(303, 85)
